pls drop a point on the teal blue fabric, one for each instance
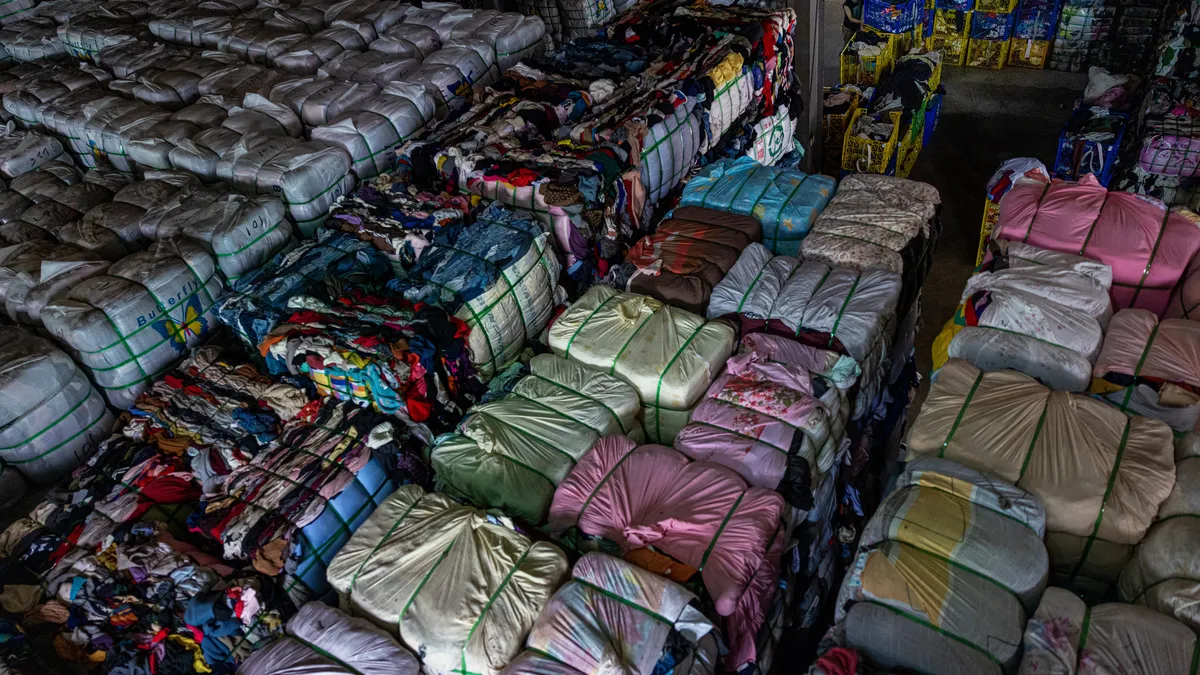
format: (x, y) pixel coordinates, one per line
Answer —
(785, 202)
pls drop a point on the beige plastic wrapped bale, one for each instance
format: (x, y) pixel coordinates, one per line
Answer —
(370, 134)
(669, 355)
(24, 151)
(1066, 637)
(613, 617)
(320, 640)
(51, 419)
(240, 232)
(129, 326)
(1102, 474)
(945, 572)
(1164, 573)
(511, 453)
(458, 589)
(408, 41)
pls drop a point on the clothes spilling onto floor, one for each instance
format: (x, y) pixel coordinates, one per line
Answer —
(669, 355)
(785, 202)
(689, 254)
(1101, 473)
(499, 276)
(512, 452)
(456, 584)
(680, 518)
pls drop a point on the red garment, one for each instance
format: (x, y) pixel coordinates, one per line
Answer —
(838, 661)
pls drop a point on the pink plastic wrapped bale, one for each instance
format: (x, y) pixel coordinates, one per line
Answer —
(702, 515)
(1147, 245)
(1151, 367)
(1185, 301)
(613, 617)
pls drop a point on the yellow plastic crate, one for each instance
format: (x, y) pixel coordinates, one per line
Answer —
(862, 155)
(946, 23)
(833, 131)
(868, 70)
(1028, 53)
(953, 49)
(999, 6)
(991, 216)
(987, 54)
(907, 154)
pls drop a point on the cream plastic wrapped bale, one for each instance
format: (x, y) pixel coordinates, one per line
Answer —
(24, 151)
(320, 640)
(511, 453)
(129, 326)
(1066, 637)
(945, 573)
(613, 617)
(372, 131)
(241, 233)
(669, 355)
(51, 419)
(1163, 573)
(500, 277)
(1102, 474)
(455, 585)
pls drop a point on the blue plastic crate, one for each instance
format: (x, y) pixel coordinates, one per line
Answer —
(927, 22)
(884, 16)
(991, 26)
(1078, 157)
(1036, 20)
(932, 110)
(960, 5)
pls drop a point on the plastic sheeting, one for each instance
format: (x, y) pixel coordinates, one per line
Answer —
(24, 151)
(132, 324)
(671, 356)
(51, 419)
(320, 640)
(378, 124)
(408, 41)
(1147, 245)
(611, 615)
(945, 572)
(1066, 637)
(786, 202)
(702, 515)
(513, 452)
(316, 100)
(368, 67)
(459, 588)
(669, 150)
(1101, 474)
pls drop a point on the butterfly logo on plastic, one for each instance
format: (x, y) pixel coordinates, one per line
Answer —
(178, 334)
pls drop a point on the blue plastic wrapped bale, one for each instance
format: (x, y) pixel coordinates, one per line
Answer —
(992, 26)
(1036, 20)
(933, 110)
(892, 17)
(960, 5)
(1089, 144)
(785, 202)
(320, 540)
(258, 301)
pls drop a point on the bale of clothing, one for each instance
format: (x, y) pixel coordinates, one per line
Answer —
(610, 613)
(687, 256)
(1101, 473)
(946, 572)
(669, 355)
(458, 586)
(785, 202)
(680, 518)
(512, 452)
(1147, 245)
(1149, 366)
(1039, 312)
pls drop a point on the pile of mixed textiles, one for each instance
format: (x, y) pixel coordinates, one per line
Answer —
(872, 128)
(908, 86)
(867, 44)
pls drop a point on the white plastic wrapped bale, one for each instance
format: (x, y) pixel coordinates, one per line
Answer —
(670, 149)
(112, 127)
(307, 176)
(367, 16)
(112, 230)
(200, 154)
(473, 57)
(669, 355)
(1164, 570)
(461, 588)
(379, 124)
(512, 36)
(368, 67)
(32, 39)
(613, 615)
(26, 100)
(51, 419)
(446, 85)
(734, 90)
(320, 640)
(261, 45)
(407, 41)
(179, 85)
(240, 232)
(314, 52)
(129, 326)
(66, 115)
(24, 151)
(127, 59)
(774, 137)
(1067, 637)
(85, 37)
(236, 82)
(317, 100)
(512, 453)
(945, 573)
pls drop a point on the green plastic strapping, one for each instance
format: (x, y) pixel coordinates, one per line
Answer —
(390, 532)
(712, 544)
(961, 411)
(779, 214)
(739, 435)
(420, 586)
(1083, 637)
(587, 502)
(324, 653)
(252, 242)
(940, 631)
(752, 285)
(1036, 432)
(663, 374)
(567, 351)
(490, 602)
(1029, 231)
(842, 310)
(597, 401)
(1092, 228)
(1112, 479)
(65, 441)
(616, 359)
(1137, 371)
(1162, 229)
(613, 596)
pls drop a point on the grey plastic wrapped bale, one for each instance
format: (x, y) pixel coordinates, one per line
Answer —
(307, 176)
(21, 265)
(32, 40)
(51, 419)
(38, 186)
(408, 40)
(306, 20)
(112, 230)
(368, 67)
(1066, 637)
(127, 59)
(48, 85)
(241, 233)
(68, 203)
(54, 280)
(195, 28)
(12, 205)
(317, 100)
(380, 123)
(65, 117)
(85, 37)
(206, 113)
(512, 36)
(261, 46)
(380, 16)
(179, 85)
(12, 486)
(24, 151)
(258, 114)
(152, 150)
(945, 573)
(472, 57)
(116, 124)
(129, 326)
(319, 49)
(17, 10)
(237, 81)
(200, 154)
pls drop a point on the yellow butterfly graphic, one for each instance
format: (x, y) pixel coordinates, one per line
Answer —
(178, 334)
